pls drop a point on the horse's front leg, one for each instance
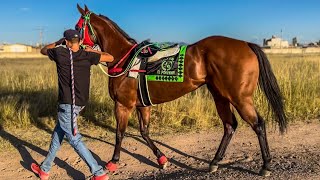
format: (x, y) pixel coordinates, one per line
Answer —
(144, 120)
(122, 114)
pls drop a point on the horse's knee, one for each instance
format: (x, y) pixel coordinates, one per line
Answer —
(234, 122)
(259, 126)
(230, 128)
(119, 136)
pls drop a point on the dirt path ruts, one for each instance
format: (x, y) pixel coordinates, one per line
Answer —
(296, 155)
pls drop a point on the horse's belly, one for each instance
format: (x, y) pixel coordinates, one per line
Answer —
(161, 92)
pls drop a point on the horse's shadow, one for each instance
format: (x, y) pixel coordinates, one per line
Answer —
(230, 165)
(143, 159)
(134, 155)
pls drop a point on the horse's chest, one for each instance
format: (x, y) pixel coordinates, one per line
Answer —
(123, 91)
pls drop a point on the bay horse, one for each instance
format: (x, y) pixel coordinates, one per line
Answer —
(230, 68)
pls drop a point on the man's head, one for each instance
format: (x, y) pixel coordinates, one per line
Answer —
(72, 37)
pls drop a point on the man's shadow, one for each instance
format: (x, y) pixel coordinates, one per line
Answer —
(27, 159)
(40, 103)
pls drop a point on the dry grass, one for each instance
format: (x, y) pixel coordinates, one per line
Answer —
(28, 95)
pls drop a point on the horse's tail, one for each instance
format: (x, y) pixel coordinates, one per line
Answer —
(268, 84)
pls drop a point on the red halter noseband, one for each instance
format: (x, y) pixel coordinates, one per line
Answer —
(84, 26)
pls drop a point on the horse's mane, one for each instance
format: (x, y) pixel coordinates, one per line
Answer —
(119, 29)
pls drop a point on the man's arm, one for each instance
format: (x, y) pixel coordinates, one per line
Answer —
(50, 46)
(105, 57)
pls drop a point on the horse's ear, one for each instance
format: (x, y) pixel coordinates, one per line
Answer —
(86, 9)
(82, 12)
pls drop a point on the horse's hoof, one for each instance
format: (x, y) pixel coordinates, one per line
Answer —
(213, 168)
(265, 172)
(164, 166)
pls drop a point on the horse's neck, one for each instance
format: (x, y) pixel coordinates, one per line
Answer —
(113, 42)
(117, 48)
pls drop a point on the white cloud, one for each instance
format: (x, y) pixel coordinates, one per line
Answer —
(24, 9)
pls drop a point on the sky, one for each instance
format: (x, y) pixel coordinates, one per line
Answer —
(166, 20)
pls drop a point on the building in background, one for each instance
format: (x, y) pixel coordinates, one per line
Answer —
(275, 42)
(16, 48)
(313, 44)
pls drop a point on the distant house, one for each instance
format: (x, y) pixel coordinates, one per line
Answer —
(275, 42)
(15, 48)
(313, 44)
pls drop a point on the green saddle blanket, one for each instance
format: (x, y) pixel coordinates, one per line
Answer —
(167, 69)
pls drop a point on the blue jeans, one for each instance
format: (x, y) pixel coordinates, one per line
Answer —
(63, 128)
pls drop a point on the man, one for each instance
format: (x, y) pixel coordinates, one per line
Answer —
(73, 68)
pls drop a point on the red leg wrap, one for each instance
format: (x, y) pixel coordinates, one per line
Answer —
(162, 160)
(111, 166)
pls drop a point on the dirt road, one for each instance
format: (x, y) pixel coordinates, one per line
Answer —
(296, 155)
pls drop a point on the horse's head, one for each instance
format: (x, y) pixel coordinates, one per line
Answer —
(85, 28)
(98, 29)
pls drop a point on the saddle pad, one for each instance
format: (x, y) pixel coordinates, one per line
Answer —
(165, 53)
(136, 66)
(167, 69)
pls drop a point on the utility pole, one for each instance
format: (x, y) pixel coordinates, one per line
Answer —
(41, 30)
(281, 40)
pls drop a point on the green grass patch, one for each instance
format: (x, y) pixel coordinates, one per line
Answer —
(28, 95)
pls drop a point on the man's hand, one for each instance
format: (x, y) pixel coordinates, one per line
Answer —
(61, 41)
(45, 49)
(50, 46)
(89, 49)
(105, 57)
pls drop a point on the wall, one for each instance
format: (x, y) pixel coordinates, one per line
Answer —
(277, 43)
(292, 50)
(16, 48)
(20, 55)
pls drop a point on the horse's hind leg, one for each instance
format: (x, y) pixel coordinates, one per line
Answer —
(122, 114)
(144, 119)
(251, 116)
(229, 123)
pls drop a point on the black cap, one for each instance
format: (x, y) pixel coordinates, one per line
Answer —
(70, 33)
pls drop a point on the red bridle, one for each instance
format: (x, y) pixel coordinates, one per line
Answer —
(83, 25)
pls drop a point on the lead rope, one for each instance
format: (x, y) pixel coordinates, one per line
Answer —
(73, 114)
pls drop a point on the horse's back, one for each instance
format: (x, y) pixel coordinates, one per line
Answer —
(224, 47)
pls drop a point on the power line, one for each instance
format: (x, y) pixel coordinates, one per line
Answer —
(41, 30)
